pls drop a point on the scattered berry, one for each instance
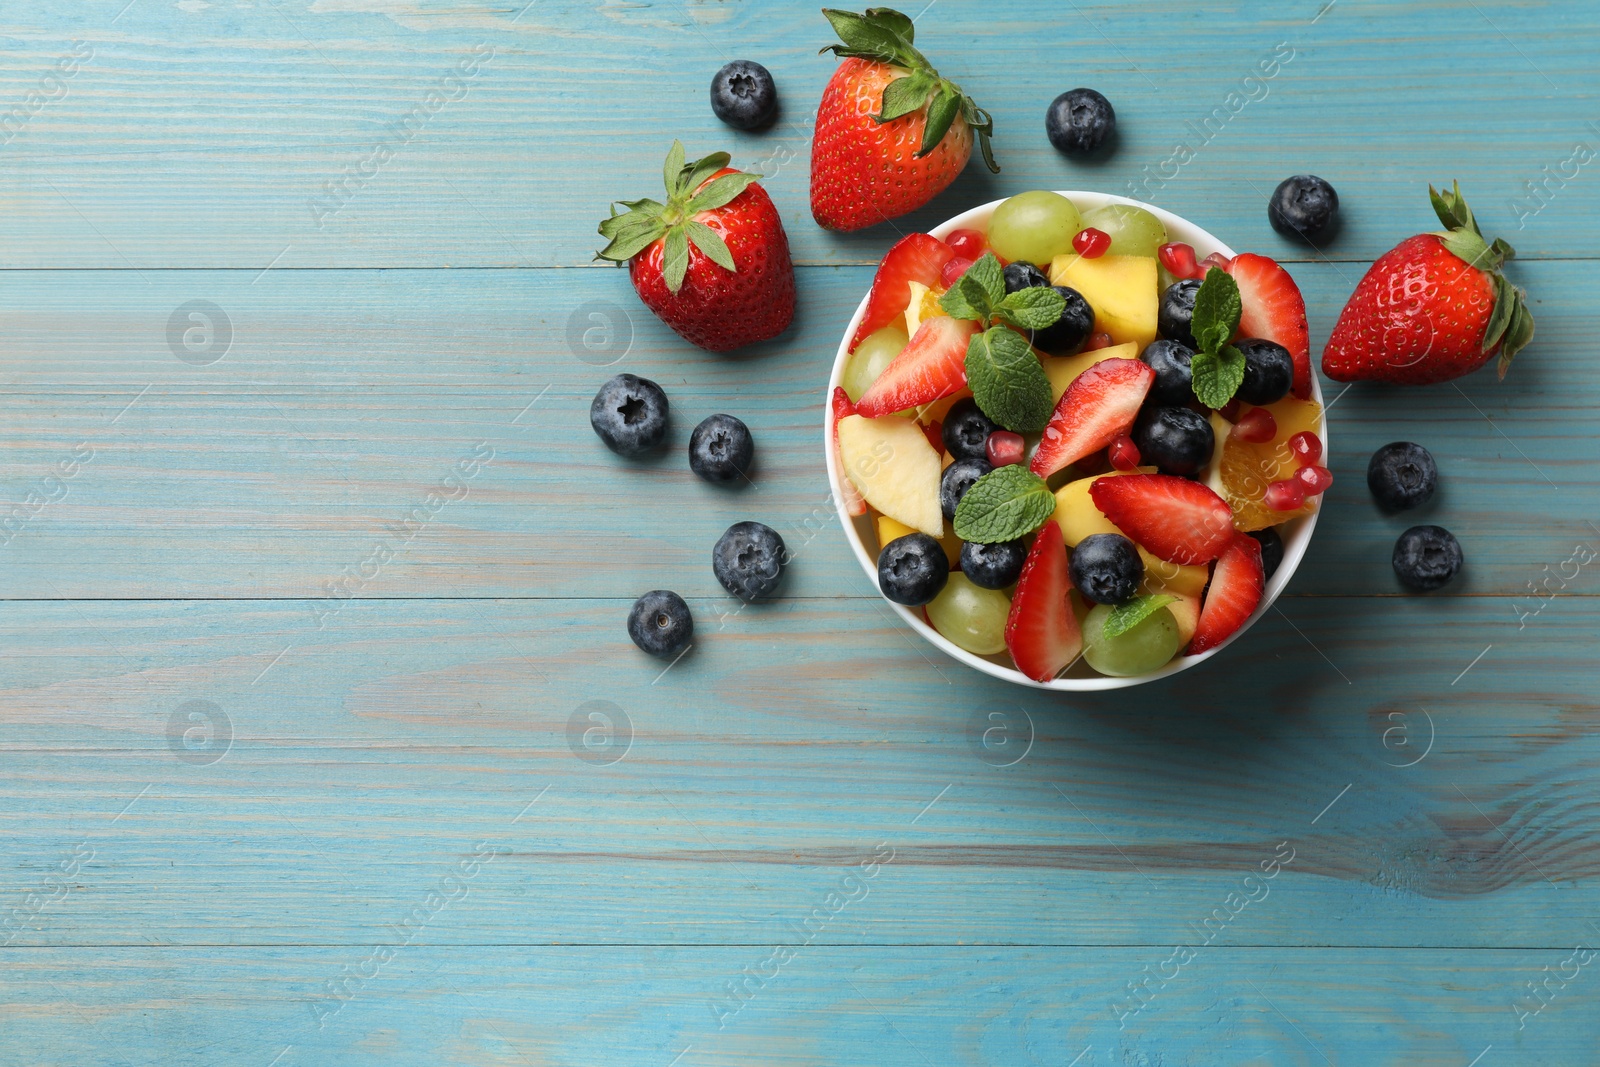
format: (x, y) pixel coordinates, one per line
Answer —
(1177, 440)
(1272, 308)
(1106, 568)
(1097, 341)
(966, 430)
(629, 414)
(1235, 590)
(1285, 495)
(1173, 320)
(956, 480)
(1255, 427)
(1174, 378)
(1004, 448)
(748, 560)
(967, 244)
(1402, 475)
(1315, 479)
(1426, 557)
(1306, 447)
(1179, 260)
(1099, 405)
(1304, 206)
(1271, 549)
(952, 271)
(993, 566)
(721, 448)
(660, 623)
(1067, 332)
(1123, 453)
(1023, 275)
(912, 569)
(743, 95)
(1268, 371)
(1177, 519)
(1091, 243)
(1042, 633)
(1079, 121)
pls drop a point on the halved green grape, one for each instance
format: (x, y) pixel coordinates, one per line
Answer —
(1035, 227)
(1145, 648)
(1133, 230)
(874, 353)
(971, 616)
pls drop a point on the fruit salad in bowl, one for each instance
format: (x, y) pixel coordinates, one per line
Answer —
(1075, 440)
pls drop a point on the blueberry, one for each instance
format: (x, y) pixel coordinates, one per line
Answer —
(993, 566)
(912, 569)
(630, 415)
(1426, 557)
(1177, 440)
(1402, 475)
(1173, 320)
(720, 449)
(660, 623)
(1106, 568)
(1078, 121)
(956, 480)
(748, 560)
(1174, 380)
(1271, 549)
(966, 429)
(1023, 275)
(1304, 206)
(1268, 372)
(743, 96)
(1073, 328)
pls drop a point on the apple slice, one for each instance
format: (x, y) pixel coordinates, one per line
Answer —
(842, 408)
(894, 467)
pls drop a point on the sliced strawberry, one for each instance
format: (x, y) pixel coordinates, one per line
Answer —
(1274, 310)
(933, 365)
(1179, 520)
(919, 257)
(1042, 632)
(1235, 590)
(854, 503)
(1099, 405)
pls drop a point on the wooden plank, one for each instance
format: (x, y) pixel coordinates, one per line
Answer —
(344, 398)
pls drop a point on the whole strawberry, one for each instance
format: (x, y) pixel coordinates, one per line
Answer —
(1432, 308)
(891, 134)
(713, 261)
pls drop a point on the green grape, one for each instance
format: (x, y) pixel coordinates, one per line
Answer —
(1133, 230)
(874, 353)
(1034, 227)
(1145, 648)
(971, 616)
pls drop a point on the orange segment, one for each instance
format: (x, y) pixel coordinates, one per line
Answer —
(1247, 469)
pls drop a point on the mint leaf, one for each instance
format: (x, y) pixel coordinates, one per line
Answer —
(987, 273)
(1007, 382)
(1003, 505)
(1217, 375)
(1126, 616)
(1216, 311)
(1035, 308)
(967, 299)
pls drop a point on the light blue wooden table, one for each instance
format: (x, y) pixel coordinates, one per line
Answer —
(308, 599)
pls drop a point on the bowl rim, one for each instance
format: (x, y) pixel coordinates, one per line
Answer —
(1294, 544)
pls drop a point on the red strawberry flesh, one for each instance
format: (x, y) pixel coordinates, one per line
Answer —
(1042, 633)
(1100, 405)
(1233, 595)
(917, 257)
(1179, 520)
(1274, 310)
(932, 365)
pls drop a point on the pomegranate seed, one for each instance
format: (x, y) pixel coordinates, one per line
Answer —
(1257, 426)
(1306, 446)
(1099, 340)
(1286, 495)
(934, 432)
(953, 271)
(1217, 260)
(1004, 448)
(1123, 453)
(1230, 410)
(1315, 479)
(1178, 258)
(1091, 243)
(967, 244)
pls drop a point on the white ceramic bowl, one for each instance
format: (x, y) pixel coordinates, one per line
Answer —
(1080, 677)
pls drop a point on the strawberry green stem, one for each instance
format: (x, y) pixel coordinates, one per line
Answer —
(1510, 325)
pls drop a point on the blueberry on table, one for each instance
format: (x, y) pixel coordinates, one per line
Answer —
(1023, 275)
(1426, 557)
(1402, 475)
(629, 414)
(1106, 568)
(1175, 317)
(660, 623)
(1170, 360)
(721, 448)
(966, 430)
(1268, 372)
(1304, 206)
(1079, 121)
(912, 569)
(993, 566)
(748, 560)
(1073, 328)
(956, 480)
(1177, 440)
(1271, 549)
(743, 95)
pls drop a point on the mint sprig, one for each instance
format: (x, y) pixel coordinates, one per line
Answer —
(1007, 381)
(1217, 368)
(1125, 617)
(1003, 505)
